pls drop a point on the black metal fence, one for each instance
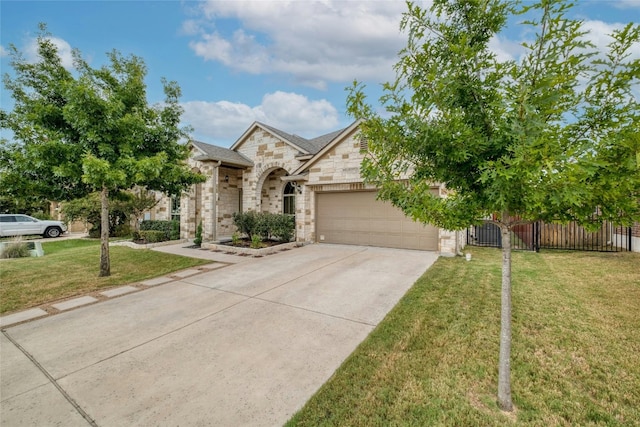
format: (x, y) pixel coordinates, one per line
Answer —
(539, 235)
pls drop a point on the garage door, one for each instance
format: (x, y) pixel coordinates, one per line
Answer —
(357, 218)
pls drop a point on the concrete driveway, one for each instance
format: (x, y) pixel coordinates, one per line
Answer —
(243, 345)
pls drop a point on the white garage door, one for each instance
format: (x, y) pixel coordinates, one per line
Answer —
(357, 218)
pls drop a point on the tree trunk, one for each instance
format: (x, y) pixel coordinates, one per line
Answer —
(105, 264)
(504, 364)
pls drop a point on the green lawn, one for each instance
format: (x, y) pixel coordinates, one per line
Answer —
(433, 360)
(70, 267)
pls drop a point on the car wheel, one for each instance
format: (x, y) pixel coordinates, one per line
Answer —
(52, 232)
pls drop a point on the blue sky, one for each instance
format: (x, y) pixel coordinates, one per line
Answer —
(285, 63)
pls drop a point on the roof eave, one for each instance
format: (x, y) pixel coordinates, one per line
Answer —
(243, 165)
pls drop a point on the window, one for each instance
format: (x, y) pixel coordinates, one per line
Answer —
(289, 199)
(175, 208)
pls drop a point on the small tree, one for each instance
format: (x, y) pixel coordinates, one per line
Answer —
(140, 201)
(122, 207)
(552, 136)
(91, 131)
(198, 240)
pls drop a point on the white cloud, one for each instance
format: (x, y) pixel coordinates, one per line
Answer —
(222, 122)
(505, 49)
(3, 52)
(626, 4)
(64, 51)
(316, 42)
(599, 35)
(190, 27)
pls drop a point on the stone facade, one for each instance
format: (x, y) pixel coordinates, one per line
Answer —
(273, 158)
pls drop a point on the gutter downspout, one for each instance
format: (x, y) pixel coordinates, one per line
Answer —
(214, 201)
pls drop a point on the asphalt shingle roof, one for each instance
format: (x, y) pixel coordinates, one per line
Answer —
(213, 152)
(311, 146)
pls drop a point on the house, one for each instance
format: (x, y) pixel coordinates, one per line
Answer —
(317, 180)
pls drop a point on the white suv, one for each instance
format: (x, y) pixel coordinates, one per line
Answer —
(24, 225)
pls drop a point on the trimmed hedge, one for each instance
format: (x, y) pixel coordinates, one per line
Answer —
(171, 229)
(152, 236)
(265, 225)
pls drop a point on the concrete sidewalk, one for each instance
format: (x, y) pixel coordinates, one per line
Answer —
(246, 344)
(184, 250)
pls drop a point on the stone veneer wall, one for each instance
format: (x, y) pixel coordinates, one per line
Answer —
(188, 213)
(305, 229)
(161, 211)
(207, 198)
(228, 200)
(341, 164)
(196, 204)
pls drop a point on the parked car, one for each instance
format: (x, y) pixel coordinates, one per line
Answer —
(24, 225)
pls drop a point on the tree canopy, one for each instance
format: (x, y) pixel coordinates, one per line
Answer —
(551, 135)
(90, 129)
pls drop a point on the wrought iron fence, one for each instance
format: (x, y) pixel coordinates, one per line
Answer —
(523, 237)
(539, 235)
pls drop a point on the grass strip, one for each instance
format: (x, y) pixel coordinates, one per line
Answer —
(71, 267)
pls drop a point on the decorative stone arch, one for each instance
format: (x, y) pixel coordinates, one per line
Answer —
(267, 168)
(263, 173)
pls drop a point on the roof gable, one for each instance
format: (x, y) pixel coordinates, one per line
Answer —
(330, 140)
(305, 146)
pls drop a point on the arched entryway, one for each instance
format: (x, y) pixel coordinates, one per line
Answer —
(271, 192)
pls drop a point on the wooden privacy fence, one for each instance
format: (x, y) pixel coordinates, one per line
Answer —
(539, 235)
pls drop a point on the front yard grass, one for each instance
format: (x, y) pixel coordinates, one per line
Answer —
(433, 360)
(70, 267)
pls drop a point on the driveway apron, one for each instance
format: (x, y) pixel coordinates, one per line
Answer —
(247, 344)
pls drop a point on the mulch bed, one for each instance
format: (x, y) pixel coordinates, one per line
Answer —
(246, 243)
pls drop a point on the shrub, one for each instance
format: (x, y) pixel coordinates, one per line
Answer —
(263, 225)
(245, 222)
(175, 230)
(266, 225)
(15, 249)
(171, 229)
(235, 239)
(122, 230)
(87, 209)
(283, 227)
(152, 236)
(256, 242)
(198, 240)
